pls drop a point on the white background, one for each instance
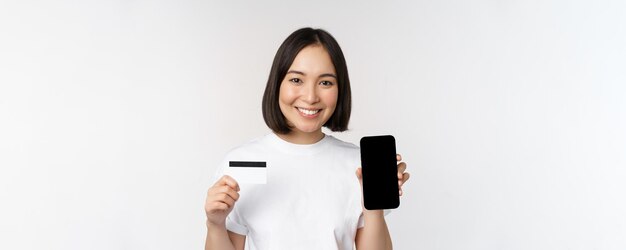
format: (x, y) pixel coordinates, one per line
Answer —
(510, 114)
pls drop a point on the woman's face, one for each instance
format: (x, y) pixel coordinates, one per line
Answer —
(308, 94)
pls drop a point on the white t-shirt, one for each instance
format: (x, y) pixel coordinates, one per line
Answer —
(312, 199)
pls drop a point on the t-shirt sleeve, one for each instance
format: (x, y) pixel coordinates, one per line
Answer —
(233, 220)
(361, 223)
(234, 223)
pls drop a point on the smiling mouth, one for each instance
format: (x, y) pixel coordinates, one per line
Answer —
(308, 112)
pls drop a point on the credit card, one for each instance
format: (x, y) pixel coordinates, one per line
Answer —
(248, 172)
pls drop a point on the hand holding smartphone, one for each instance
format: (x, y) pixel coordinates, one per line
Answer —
(380, 172)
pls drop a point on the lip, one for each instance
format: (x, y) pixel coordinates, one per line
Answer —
(308, 116)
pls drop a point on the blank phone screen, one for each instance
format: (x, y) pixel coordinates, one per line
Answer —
(379, 168)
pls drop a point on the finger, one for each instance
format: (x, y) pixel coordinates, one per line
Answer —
(230, 181)
(400, 192)
(405, 177)
(359, 173)
(403, 180)
(218, 206)
(227, 180)
(215, 192)
(225, 198)
(401, 169)
(229, 191)
(220, 189)
(215, 206)
(398, 157)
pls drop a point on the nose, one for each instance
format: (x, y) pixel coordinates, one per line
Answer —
(309, 94)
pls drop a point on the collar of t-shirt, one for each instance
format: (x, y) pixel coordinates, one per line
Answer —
(298, 149)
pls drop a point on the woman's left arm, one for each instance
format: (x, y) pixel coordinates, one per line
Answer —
(375, 234)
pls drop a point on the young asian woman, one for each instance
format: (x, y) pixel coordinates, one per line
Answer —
(312, 198)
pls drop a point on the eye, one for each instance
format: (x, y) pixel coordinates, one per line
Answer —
(295, 80)
(326, 83)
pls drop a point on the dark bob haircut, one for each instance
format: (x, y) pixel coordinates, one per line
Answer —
(285, 55)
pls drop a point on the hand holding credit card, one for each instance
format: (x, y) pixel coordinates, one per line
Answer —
(247, 172)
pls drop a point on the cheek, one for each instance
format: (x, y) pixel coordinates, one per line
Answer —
(286, 95)
(330, 98)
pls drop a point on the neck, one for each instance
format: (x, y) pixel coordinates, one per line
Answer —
(299, 137)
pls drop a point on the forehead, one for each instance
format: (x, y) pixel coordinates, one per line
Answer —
(313, 59)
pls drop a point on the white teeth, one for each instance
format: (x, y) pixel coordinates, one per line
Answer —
(308, 112)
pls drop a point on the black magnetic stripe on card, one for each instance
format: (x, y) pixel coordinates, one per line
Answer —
(247, 164)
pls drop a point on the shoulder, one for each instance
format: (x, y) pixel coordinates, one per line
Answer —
(342, 145)
(344, 149)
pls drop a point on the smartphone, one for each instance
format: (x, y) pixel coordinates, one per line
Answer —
(380, 172)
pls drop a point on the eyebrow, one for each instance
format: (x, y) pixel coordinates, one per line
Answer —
(302, 73)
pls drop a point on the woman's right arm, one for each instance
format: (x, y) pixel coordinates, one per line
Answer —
(215, 239)
(220, 201)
